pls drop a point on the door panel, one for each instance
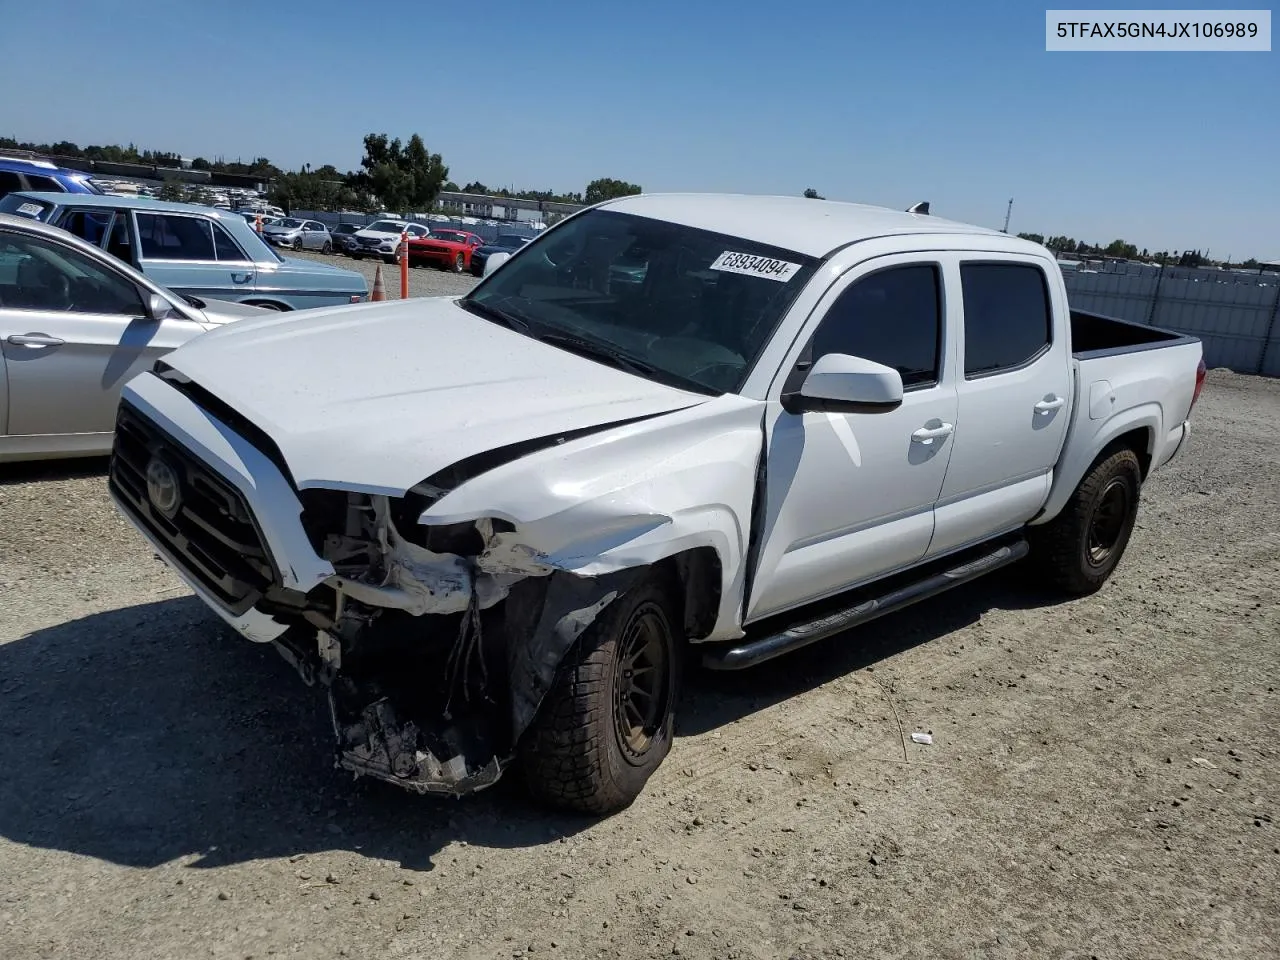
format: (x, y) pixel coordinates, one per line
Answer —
(192, 255)
(850, 496)
(1014, 399)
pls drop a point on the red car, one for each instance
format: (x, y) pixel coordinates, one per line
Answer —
(444, 248)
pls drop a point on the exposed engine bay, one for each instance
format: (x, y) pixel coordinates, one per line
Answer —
(436, 643)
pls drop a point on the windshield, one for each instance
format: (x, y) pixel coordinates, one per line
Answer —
(695, 307)
(385, 226)
(449, 236)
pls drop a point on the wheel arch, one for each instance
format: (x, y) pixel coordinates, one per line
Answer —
(1137, 429)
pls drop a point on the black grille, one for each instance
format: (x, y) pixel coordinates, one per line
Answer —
(213, 534)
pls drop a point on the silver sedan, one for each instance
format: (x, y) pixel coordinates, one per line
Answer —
(75, 325)
(299, 234)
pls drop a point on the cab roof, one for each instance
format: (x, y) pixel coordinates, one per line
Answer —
(119, 203)
(813, 227)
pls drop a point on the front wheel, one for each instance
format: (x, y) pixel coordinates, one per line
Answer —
(297, 243)
(327, 248)
(1078, 550)
(607, 722)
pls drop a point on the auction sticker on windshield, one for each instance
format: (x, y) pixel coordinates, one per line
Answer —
(753, 266)
(30, 209)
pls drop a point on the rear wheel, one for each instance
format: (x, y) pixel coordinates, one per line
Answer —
(1079, 549)
(459, 263)
(607, 722)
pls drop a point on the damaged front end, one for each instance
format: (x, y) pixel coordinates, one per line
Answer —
(436, 643)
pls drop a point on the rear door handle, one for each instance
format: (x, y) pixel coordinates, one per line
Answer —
(930, 434)
(35, 340)
(1046, 406)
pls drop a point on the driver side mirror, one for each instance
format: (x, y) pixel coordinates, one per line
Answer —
(839, 383)
(158, 308)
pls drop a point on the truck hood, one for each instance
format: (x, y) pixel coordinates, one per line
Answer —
(377, 397)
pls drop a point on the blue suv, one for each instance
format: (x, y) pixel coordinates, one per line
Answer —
(18, 174)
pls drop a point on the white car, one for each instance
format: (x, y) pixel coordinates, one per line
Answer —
(491, 524)
(382, 239)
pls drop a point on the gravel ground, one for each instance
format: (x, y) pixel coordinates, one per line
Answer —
(1103, 779)
(423, 281)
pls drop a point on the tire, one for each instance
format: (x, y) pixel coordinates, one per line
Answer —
(459, 263)
(297, 243)
(582, 752)
(1078, 550)
(327, 248)
(391, 259)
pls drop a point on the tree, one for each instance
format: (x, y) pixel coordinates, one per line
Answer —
(1033, 237)
(172, 189)
(1120, 248)
(813, 194)
(606, 188)
(402, 177)
(475, 186)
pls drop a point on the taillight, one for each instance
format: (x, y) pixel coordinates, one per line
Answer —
(1201, 371)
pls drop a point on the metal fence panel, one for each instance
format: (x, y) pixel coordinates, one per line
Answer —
(486, 231)
(1234, 315)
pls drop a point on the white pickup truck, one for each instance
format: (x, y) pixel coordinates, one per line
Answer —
(493, 526)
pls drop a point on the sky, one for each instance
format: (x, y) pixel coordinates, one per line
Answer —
(887, 103)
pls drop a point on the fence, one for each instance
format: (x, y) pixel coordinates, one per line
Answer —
(1233, 314)
(486, 231)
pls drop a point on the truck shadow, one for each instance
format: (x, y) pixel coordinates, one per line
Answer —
(152, 734)
(31, 471)
(713, 699)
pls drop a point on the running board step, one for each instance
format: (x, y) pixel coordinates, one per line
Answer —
(799, 635)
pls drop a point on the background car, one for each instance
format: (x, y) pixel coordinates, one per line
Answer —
(499, 248)
(299, 234)
(343, 236)
(194, 250)
(444, 248)
(19, 174)
(75, 325)
(382, 237)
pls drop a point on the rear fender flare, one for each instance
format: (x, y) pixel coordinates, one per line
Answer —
(1078, 459)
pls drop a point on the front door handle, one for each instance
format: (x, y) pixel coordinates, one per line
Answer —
(927, 435)
(1048, 406)
(35, 340)
(241, 277)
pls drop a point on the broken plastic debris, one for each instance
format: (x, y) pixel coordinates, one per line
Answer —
(922, 738)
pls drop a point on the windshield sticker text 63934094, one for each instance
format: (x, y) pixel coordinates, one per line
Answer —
(753, 266)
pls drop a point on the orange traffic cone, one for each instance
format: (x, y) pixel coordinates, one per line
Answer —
(379, 291)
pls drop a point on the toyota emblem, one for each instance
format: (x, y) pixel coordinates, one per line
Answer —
(162, 487)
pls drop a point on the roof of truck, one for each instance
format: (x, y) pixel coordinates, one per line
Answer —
(812, 227)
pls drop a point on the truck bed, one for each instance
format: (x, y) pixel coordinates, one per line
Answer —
(1094, 335)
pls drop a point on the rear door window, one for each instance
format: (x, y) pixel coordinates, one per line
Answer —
(167, 236)
(1007, 321)
(91, 225)
(9, 182)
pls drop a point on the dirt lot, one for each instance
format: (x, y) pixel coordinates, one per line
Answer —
(1103, 779)
(423, 281)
